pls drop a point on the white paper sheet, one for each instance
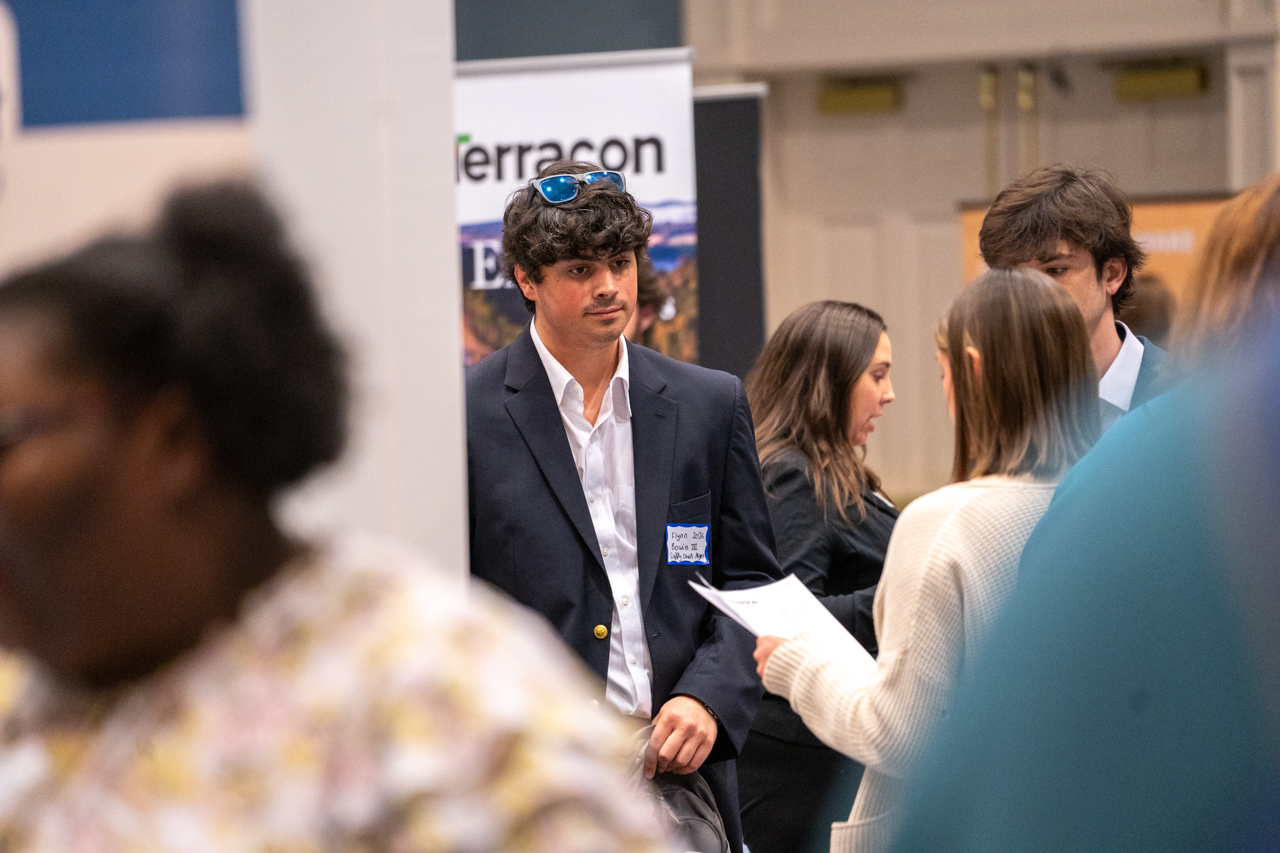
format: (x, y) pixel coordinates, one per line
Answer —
(786, 609)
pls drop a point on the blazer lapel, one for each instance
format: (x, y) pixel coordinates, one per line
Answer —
(1149, 382)
(536, 414)
(653, 442)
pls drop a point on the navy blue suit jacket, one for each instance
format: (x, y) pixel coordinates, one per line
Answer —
(1150, 383)
(695, 462)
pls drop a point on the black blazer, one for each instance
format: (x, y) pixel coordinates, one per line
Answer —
(695, 462)
(839, 560)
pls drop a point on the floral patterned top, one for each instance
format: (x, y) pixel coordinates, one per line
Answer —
(361, 702)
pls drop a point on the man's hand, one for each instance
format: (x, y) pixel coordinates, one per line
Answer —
(683, 734)
(765, 647)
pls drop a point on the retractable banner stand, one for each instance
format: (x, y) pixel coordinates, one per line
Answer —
(631, 111)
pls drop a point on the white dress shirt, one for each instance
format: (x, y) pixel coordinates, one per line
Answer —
(606, 466)
(1117, 384)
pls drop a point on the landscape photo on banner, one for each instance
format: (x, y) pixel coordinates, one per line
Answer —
(629, 111)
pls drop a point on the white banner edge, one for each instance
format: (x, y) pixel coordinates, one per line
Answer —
(573, 61)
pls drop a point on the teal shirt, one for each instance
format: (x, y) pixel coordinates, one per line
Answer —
(1119, 704)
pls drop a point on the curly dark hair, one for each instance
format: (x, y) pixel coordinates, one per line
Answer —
(212, 302)
(1083, 208)
(599, 222)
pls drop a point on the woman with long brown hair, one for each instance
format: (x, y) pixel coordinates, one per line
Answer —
(1021, 386)
(817, 387)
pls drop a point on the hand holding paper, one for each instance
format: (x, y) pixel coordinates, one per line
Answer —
(764, 648)
(786, 609)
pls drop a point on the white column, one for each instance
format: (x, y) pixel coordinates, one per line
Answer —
(1275, 92)
(8, 89)
(351, 104)
(1251, 130)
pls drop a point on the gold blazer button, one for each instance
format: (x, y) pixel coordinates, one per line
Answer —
(601, 632)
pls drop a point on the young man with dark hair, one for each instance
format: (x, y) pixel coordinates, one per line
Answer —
(1075, 225)
(603, 476)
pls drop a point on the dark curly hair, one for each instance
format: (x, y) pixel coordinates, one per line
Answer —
(213, 302)
(1081, 207)
(599, 222)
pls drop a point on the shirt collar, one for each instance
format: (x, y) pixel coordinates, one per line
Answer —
(1116, 386)
(565, 387)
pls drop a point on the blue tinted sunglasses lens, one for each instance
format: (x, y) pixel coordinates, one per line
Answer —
(559, 188)
(616, 177)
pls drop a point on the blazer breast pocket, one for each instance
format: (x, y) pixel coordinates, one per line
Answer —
(689, 533)
(694, 509)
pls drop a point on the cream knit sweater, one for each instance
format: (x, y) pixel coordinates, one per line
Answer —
(952, 561)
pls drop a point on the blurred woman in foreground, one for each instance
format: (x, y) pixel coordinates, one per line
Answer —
(1021, 386)
(820, 381)
(1236, 284)
(200, 681)
(1130, 697)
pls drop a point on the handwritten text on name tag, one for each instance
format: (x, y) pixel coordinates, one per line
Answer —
(688, 544)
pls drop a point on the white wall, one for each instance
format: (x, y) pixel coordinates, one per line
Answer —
(59, 186)
(865, 207)
(778, 36)
(350, 103)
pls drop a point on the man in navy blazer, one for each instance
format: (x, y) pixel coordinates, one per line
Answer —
(1075, 226)
(604, 477)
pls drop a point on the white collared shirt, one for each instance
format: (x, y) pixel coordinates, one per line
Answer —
(1117, 384)
(606, 466)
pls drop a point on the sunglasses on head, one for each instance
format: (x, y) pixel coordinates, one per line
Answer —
(557, 189)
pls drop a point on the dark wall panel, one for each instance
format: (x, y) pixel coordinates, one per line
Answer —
(726, 135)
(494, 29)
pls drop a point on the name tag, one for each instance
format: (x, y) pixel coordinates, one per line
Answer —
(688, 544)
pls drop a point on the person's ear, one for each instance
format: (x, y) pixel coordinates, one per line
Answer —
(1113, 275)
(648, 314)
(175, 451)
(975, 361)
(526, 285)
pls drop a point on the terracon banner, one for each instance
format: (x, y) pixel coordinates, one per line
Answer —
(631, 111)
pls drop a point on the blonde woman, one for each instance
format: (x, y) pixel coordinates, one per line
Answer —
(1022, 389)
(1236, 285)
